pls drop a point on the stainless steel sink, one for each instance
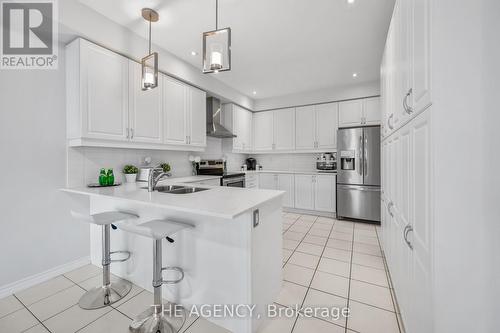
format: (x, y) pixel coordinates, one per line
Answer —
(176, 189)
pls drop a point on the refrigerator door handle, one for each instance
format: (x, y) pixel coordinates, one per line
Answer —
(365, 158)
(360, 154)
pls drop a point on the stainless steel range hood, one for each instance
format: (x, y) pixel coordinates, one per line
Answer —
(214, 117)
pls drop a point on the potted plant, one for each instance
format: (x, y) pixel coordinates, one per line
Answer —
(130, 172)
(165, 167)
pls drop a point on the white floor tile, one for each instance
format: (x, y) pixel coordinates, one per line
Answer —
(313, 325)
(304, 260)
(17, 321)
(339, 244)
(318, 299)
(371, 294)
(368, 260)
(319, 232)
(42, 290)
(325, 220)
(83, 273)
(333, 266)
(286, 254)
(310, 248)
(137, 304)
(74, 319)
(308, 217)
(315, 240)
(370, 275)
(298, 274)
(299, 228)
(204, 326)
(280, 324)
(364, 226)
(330, 283)
(341, 236)
(344, 230)
(56, 303)
(292, 235)
(337, 254)
(112, 322)
(8, 305)
(290, 244)
(366, 240)
(366, 233)
(291, 294)
(322, 226)
(292, 215)
(37, 329)
(368, 319)
(374, 250)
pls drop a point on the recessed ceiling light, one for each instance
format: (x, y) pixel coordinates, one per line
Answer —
(350, 2)
(254, 92)
(193, 53)
(354, 75)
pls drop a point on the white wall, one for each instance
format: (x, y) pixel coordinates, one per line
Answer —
(33, 213)
(320, 96)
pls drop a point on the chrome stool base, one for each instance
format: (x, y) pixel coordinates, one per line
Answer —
(100, 297)
(159, 321)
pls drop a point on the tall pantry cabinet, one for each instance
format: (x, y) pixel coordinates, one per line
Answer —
(407, 229)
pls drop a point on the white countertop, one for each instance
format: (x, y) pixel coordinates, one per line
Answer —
(218, 201)
(192, 179)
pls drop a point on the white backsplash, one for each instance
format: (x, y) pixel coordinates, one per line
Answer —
(287, 162)
(84, 163)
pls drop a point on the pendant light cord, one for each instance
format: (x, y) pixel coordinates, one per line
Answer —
(216, 14)
(150, 33)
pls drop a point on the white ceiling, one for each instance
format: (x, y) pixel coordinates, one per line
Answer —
(279, 47)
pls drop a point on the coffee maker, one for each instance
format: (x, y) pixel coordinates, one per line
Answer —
(251, 163)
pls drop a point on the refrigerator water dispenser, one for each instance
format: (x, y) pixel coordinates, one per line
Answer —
(347, 160)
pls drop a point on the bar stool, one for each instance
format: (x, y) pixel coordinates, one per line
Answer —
(111, 291)
(158, 319)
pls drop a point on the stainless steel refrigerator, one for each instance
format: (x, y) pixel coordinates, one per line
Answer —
(358, 173)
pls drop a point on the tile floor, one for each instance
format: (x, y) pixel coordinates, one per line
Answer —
(326, 262)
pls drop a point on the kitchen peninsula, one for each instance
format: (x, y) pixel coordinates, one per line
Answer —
(231, 256)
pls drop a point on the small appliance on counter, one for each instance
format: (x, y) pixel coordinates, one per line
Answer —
(327, 162)
(251, 163)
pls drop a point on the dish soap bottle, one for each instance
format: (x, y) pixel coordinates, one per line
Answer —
(103, 179)
(111, 177)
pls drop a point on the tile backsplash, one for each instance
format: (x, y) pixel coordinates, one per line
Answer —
(287, 162)
(84, 163)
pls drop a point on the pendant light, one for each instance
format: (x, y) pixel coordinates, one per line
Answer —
(149, 64)
(217, 47)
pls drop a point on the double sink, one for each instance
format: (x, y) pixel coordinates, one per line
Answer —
(179, 189)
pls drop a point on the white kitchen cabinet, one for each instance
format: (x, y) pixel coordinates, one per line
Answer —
(175, 110)
(281, 182)
(316, 127)
(359, 112)
(326, 126)
(97, 92)
(304, 192)
(251, 180)
(284, 129)
(263, 131)
(197, 117)
(240, 122)
(145, 109)
(324, 193)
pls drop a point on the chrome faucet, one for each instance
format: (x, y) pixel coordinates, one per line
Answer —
(155, 176)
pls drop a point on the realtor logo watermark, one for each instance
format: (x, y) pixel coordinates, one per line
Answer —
(29, 34)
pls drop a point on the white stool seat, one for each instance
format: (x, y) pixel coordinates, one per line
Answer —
(106, 217)
(156, 229)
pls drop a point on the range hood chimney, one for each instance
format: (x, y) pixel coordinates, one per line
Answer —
(214, 116)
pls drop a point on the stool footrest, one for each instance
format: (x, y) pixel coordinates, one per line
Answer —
(176, 269)
(127, 253)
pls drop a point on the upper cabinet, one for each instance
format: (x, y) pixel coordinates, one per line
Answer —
(359, 112)
(239, 121)
(274, 130)
(405, 70)
(316, 128)
(106, 106)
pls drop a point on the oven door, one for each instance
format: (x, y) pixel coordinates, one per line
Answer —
(233, 182)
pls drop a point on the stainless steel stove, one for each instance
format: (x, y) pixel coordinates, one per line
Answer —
(218, 168)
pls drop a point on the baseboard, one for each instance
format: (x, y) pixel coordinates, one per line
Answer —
(30, 281)
(309, 212)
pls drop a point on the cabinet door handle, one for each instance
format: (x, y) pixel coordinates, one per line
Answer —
(128, 135)
(407, 230)
(389, 121)
(131, 133)
(389, 208)
(406, 107)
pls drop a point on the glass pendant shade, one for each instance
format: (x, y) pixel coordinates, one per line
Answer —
(217, 51)
(149, 66)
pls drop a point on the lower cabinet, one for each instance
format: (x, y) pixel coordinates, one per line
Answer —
(279, 181)
(315, 192)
